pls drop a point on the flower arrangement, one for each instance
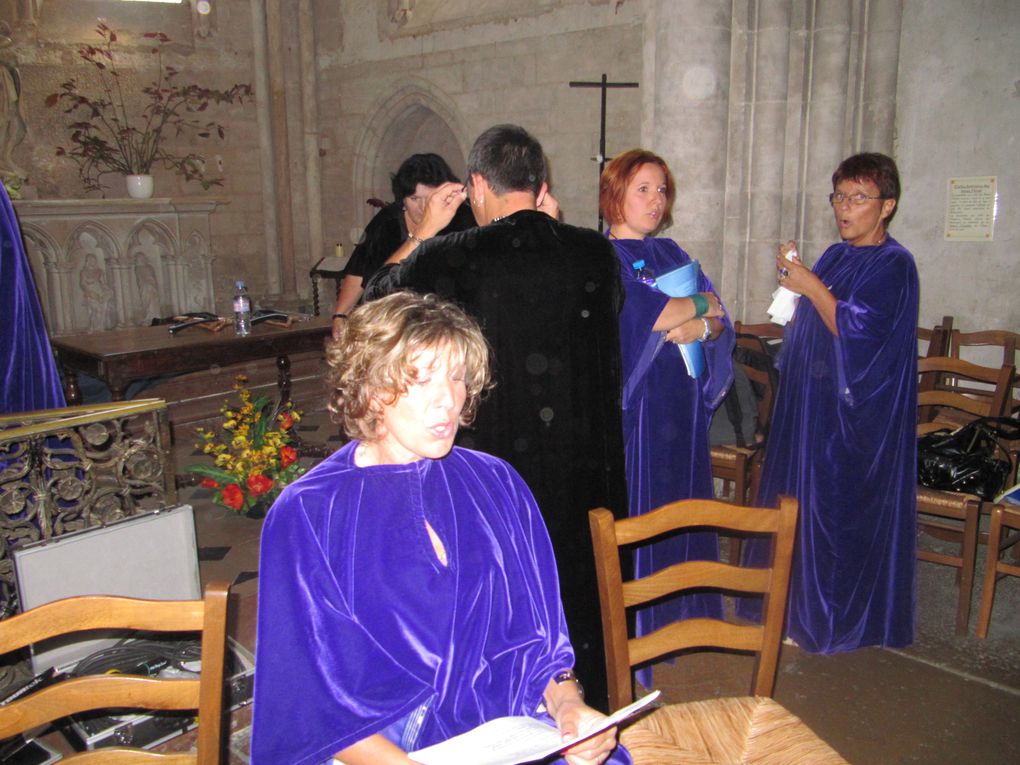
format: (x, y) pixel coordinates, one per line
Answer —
(107, 138)
(253, 459)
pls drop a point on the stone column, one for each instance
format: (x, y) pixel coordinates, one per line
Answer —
(310, 134)
(270, 227)
(686, 103)
(811, 81)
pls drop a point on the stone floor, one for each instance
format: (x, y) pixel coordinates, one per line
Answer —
(946, 699)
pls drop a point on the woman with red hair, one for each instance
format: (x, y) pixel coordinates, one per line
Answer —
(666, 412)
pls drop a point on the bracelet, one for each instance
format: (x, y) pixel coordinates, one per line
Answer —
(568, 674)
(339, 316)
(707, 334)
(700, 304)
(417, 239)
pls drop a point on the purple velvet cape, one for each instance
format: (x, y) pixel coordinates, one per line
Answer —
(666, 417)
(359, 623)
(30, 379)
(842, 441)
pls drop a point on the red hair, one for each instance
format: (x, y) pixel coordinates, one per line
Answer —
(618, 174)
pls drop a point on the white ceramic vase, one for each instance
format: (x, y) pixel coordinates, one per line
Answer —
(139, 186)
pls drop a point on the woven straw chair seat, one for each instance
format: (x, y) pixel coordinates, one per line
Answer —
(744, 730)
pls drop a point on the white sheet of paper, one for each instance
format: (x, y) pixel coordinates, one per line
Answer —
(513, 740)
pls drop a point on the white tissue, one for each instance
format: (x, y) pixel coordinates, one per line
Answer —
(784, 303)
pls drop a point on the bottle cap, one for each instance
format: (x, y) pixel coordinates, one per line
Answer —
(239, 284)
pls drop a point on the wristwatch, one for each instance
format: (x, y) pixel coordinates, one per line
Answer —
(707, 333)
(568, 674)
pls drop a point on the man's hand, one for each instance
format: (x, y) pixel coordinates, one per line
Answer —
(546, 202)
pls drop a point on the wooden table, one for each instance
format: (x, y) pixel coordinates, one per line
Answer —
(121, 356)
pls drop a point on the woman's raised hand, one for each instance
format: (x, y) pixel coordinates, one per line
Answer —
(440, 208)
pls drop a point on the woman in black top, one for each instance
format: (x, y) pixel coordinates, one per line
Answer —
(413, 183)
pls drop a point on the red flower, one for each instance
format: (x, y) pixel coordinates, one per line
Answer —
(233, 496)
(209, 483)
(286, 420)
(259, 484)
(288, 456)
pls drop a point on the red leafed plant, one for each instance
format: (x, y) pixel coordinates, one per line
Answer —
(111, 133)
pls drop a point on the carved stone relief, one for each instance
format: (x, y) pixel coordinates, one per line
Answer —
(106, 264)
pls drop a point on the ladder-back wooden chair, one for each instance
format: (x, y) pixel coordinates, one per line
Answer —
(616, 596)
(948, 515)
(735, 464)
(114, 691)
(960, 342)
(1005, 519)
(934, 341)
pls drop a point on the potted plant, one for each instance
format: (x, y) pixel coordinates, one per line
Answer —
(113, 133)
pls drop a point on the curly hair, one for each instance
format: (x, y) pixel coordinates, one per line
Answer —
(372, 362)
(618, 174)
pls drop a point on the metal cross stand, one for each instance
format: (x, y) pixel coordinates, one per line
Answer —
(602, 119)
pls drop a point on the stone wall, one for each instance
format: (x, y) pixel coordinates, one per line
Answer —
(752, 102)
(215, 53)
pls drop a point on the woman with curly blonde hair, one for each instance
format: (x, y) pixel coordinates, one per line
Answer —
(407, 587)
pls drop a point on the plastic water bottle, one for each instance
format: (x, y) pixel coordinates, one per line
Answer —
(643, 274)
(242, 310)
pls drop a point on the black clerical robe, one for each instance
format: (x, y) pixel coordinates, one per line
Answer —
(547, 296)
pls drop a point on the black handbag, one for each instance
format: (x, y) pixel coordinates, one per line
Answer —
(971, 459)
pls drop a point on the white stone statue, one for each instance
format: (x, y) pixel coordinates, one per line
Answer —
(12, 114)
(96, 293)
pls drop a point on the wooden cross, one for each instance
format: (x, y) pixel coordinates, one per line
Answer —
(604, 85)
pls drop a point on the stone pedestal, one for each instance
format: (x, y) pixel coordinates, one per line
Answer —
(111, 263)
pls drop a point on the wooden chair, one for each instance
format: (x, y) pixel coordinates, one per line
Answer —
(1004, 518)
(947, 515)
(734, 464)
(958, 403)
(616, 595)
(80, 694)
(991, 338)
(937, 338)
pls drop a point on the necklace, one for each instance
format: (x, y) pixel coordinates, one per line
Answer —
(497, 219)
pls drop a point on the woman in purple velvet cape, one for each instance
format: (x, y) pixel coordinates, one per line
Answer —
(666, 412)
(407, 588)
(30, 379)
(842, 439)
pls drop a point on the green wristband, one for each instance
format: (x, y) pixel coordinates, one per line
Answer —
(700, 305)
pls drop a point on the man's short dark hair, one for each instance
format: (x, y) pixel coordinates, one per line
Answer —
(426, 169)
(509, 159)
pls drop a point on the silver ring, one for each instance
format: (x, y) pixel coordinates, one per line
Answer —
(783, 273)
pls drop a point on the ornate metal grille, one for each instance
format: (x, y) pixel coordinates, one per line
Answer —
(63, 470)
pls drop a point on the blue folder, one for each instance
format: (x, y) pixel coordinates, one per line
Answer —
(683, 282)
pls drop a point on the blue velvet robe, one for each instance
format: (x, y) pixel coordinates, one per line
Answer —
(666, 418)
(359, 623)
(29, 379)
(843, 442)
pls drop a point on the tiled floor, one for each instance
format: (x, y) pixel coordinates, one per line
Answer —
(946, 699)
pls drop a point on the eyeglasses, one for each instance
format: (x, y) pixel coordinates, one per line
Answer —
(860, 198)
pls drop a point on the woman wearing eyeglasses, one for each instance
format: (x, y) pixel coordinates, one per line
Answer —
(842, 438)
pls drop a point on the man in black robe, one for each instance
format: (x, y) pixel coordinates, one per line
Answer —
(547, 296)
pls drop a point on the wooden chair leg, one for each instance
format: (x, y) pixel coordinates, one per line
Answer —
(991, 575)
(969, 555)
